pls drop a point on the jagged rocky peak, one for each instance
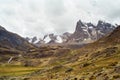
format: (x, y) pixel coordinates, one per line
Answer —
(105, 27)
(89, 31)
(79, 25)
(81, 32)
(53, 37)
(34, 39)
(103, 24)
(100, 22)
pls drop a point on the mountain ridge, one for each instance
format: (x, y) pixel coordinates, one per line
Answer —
(84, 33)
(13, 40)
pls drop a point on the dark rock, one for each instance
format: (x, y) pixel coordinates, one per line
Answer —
(12, 40)
(117, 69)
(69, 70)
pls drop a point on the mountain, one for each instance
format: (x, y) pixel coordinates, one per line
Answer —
(65, 37)
(11, 40)
(47, 39)
(33, 40)
(114, 37)
(84, 33)
(88, 31)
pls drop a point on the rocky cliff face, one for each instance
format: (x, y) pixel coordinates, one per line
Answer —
(85, 31)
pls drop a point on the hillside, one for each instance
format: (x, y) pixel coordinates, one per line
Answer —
(96, 61)
(12, 46)
(11, 40)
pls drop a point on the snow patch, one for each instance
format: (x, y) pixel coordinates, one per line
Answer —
(47, 39)
(59, 39)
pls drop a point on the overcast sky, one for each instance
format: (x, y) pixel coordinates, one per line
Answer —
(40, 17)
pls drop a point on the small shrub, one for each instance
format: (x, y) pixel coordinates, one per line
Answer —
(113, 64)
(85, 64)
(75, 79)
(26, 78)
(116, 76)
(69, 70)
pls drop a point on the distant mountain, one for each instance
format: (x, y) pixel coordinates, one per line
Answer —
(32, 40)
(84, 33)
(11, 40)
(47, 39)
(88, 31)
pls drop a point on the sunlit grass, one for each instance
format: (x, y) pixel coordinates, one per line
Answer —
(13, 70)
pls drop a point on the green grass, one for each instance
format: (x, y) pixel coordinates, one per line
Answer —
(14, 70)
(66, 61)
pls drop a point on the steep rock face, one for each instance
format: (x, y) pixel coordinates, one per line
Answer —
(12, 40)
(80, 32)
(85, 31)
(104, 28)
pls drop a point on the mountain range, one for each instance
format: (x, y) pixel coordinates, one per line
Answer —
(84, 33)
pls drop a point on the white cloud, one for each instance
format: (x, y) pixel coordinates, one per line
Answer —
(39, 17)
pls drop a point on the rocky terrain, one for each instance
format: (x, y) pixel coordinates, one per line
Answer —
(96, 61)
(88, 31)
(99, 60)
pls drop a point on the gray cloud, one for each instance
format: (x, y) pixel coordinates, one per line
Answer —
(54, 7)
(39, 17)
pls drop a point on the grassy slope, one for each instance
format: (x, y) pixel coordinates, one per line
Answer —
(97, 61)
(87, 68)
(75, 64)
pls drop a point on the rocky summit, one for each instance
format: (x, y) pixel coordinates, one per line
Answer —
(88, 31)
